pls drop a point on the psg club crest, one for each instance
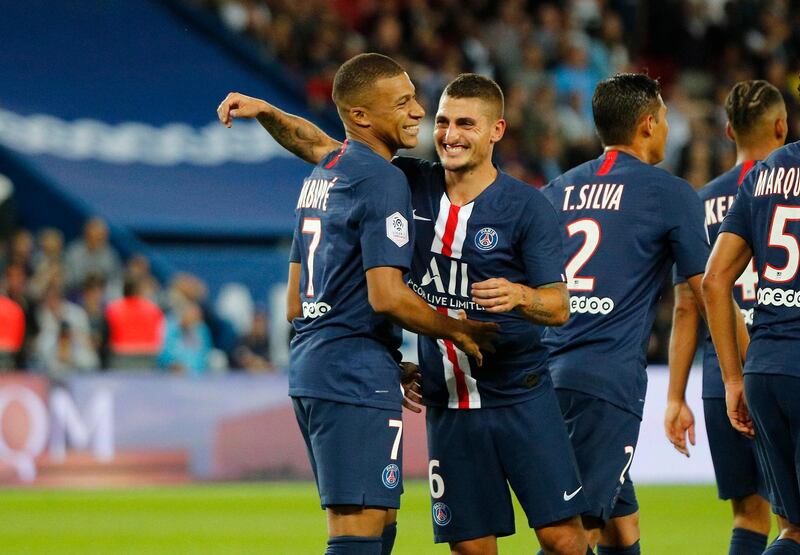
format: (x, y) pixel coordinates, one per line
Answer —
(486, 239)
(391, 476)
(441, 514)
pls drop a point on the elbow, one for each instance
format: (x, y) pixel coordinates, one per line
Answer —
(383, 303)
(561, 317)
(710, 285)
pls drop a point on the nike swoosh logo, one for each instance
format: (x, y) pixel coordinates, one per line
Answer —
(571, 495)
(414, 214)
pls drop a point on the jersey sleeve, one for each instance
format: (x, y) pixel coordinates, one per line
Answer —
(541, 245)
(737, 220)
(294, 253)
(385, 221)
(416, 170)
(688, 239)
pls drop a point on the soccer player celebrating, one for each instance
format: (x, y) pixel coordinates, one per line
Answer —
(757, 123)
(352, 243)
(763, 225)
(490, 245)
(625, 223)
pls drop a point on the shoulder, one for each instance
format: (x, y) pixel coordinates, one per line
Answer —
(725, 184)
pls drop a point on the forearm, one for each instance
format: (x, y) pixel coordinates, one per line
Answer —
(547, 305)
(297, 135)
(721, 317)
(409, 311)
(682, 348)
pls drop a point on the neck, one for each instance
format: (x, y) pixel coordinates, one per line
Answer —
(754, 152)
(464, 186)
(636, 150)
(373, 142)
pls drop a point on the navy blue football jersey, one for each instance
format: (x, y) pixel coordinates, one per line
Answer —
(717, 197)
(766, 214)
(353, 214)
(625, 223)
(509, 231)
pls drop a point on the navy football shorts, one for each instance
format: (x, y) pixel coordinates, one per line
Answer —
(736, 465)
(474, 455)
(356, 452)
(604, 437)
(774, 402)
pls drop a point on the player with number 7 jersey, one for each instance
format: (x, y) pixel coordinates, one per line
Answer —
(624, 223)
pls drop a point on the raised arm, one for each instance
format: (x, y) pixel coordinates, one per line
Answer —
(547, 305)
(678, 417)
(389, 295)
(297, 135)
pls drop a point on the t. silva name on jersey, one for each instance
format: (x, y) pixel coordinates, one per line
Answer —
(592, 196)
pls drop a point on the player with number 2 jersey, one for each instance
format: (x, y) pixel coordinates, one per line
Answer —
(625, 222)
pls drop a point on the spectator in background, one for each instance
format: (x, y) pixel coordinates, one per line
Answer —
(187, 341)
(92, 300)
(253, 353)
(138, 267)
(15, 287)
(92, 254)
(8, 217)
(64, 342)
(48, 261)
(21, 250)
(135, 328)
(12, 332)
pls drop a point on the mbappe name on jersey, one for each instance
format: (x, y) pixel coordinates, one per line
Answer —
(315, 192)
(595, 196)
(778, 181)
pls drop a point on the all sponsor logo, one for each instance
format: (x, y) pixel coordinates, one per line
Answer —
(442, 514)
(391, 476)
(486, 239)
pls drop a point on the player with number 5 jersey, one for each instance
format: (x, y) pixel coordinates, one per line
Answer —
(764, 223)
(624, 222)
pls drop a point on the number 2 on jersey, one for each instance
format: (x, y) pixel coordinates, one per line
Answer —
(312, 226)
(591, 231)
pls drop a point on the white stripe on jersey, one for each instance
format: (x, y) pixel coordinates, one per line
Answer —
(471, 398)
(456, 243)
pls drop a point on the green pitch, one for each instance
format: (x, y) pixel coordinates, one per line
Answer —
(284, 518)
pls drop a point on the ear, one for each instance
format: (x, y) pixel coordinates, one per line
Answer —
(781, 128)
(498, 130)
(359, 116)
(647, 125)
(729, 132)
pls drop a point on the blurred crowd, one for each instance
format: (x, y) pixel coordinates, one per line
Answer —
(78, 307)
(548, 57)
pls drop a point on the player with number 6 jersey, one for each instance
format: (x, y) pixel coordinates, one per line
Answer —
(624, 222)
(353, 242)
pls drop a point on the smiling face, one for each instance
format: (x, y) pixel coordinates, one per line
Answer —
(465, 132)
(393, 112)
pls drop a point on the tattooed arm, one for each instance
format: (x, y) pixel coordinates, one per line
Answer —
(546, 305)
(297, 135)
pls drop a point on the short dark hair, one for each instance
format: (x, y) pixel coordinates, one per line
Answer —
(472, 85)
(619, 102)
(748, 101)
(359, 74)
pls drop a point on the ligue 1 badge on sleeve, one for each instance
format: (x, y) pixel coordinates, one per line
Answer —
(391, 476)
(486, 239)
(397, 229)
